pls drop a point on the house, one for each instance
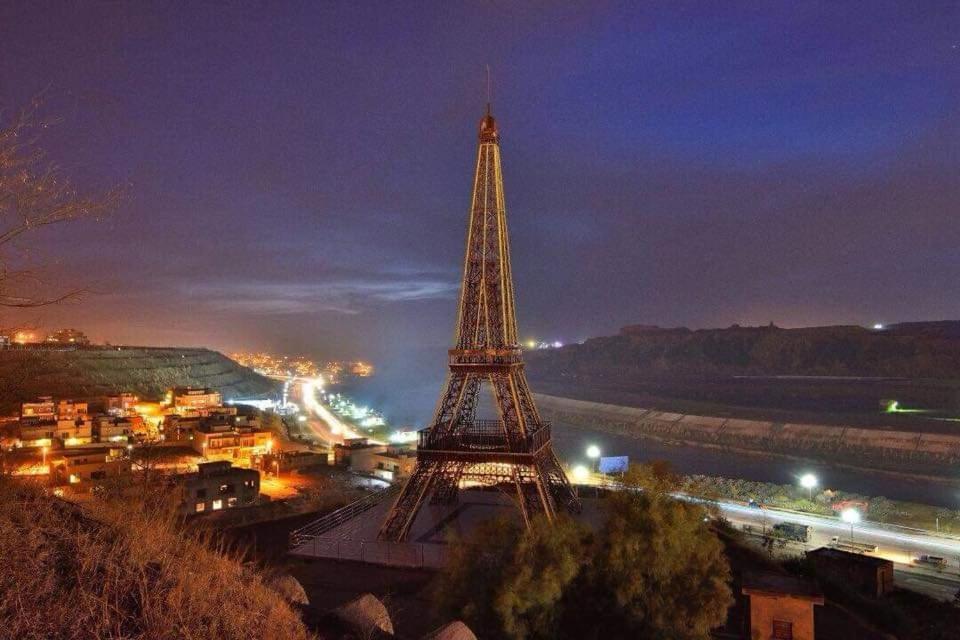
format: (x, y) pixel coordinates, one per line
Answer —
(112, 428)
(343, 453)
(287, 461)
(43, 433)
(88, 465)
(868, 575)
(219, 485)
(43, 408)
(67, 336)
(122, 404)
(190, 401)
(389, 463)
(781, 606)
(220, 436)
(72, 410)
(74, 431)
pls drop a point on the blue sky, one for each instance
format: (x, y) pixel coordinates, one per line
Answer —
(299, 173)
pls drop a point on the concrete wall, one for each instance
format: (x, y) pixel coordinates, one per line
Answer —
(875, 448)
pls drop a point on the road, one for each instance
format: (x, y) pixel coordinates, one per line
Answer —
(321, 422)
(900, 546)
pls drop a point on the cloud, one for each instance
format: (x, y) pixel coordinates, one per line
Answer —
(347, 296)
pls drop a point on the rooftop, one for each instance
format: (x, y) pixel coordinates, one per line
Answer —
(776, 583)
(847, 556)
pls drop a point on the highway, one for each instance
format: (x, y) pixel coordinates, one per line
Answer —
(322, 422)
(899, 545)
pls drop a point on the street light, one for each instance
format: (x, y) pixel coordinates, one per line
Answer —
(852, 516)
(808, 481)
(593, 452)
(580, 473)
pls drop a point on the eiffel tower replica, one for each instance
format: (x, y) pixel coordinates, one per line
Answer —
(514, 451)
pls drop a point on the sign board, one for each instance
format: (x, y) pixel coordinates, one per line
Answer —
(614, 464)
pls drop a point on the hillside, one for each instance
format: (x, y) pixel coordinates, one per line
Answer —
(147, 371)
(761, 367)
(127, 568)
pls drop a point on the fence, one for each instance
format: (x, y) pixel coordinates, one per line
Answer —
(397, 554)
(342, 515)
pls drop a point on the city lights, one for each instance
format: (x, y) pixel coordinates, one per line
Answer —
(808, 481)
(852, 517)
(580, 473)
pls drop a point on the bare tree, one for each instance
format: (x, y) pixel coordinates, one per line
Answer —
(35, 194)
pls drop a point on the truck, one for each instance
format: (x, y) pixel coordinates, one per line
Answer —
(846, 544)
(792, 531)
(938, 562)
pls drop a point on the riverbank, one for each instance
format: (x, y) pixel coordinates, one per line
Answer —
(931, 455)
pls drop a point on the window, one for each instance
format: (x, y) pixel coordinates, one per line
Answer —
(231, 502)
(226, 488)
(200, 507)
(782, 630)
(217, 505)
(201, 493)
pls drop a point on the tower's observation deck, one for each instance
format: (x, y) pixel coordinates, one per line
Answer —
(484, 441)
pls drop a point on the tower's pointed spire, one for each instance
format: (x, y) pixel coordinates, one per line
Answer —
(488, 126)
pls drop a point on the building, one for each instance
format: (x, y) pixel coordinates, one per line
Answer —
(67, 336)
(389, 463)
(88, 466)
(220, 436)
(190, 401)
(122, 404)
(72, 410)
(111, 428)
(43, 433)
(868, 575)
(343, 453)
(43, 408)
(781, 606)
(218, 485)
(287, 461)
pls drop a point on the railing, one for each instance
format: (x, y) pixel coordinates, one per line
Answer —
(397, 554)
(482, 357)
(336, 518)
(483, 435)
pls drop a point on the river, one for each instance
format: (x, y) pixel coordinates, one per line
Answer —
(408, 400)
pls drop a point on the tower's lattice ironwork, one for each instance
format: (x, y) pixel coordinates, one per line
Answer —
(514, 450)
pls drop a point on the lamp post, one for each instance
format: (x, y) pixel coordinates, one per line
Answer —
(593, 452)
(851, 516)
(580, 473)
(44, 451)
(808, 481)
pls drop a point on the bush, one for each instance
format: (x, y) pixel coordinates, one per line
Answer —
(654, 569)
(122, 570)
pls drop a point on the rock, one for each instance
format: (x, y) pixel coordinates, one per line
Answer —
(290, 588)
(455, 630)
(366, 614)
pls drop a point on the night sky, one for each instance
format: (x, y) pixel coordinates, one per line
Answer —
(299, 173)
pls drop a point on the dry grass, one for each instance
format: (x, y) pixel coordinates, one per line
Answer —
(124, 570)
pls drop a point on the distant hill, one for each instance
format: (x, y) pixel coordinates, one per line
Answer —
(829, 374)
(908, 350)
(86, 372)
